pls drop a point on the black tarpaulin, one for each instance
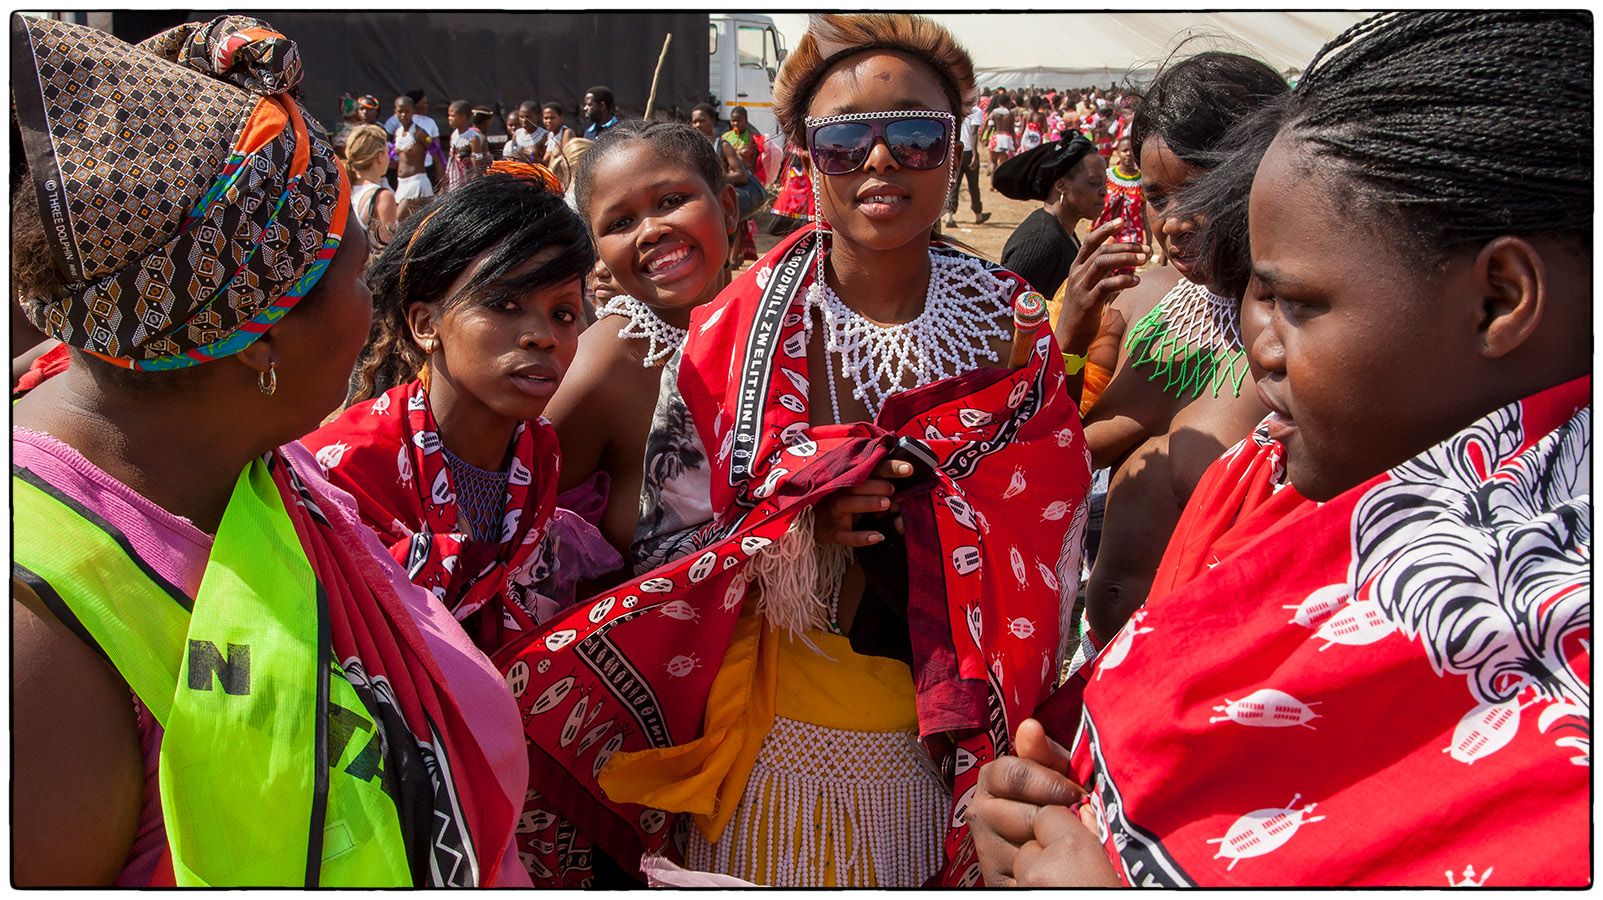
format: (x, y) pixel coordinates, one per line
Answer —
(482, 57)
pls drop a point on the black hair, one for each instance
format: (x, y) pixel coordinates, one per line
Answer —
(674, 140)
(416, 95)
(504, 218)
(1193, 102)
(554, 106)
(707, 108)
(1414, 110)
(528, 104)
(461, 106)
(603, 95)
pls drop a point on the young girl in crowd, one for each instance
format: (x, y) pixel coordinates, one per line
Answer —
(749, 146)
(219, 677)
(660, 210)
(793, 207)
(477, 316)
(469, 151)
(808, 680)
(557, 133)
(372, 201)
(1366, 662)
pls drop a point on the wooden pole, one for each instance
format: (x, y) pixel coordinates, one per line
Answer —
(651, 100)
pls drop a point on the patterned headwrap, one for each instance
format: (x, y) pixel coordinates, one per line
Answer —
(190, 199)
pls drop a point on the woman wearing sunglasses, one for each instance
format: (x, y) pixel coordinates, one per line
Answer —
(872, 518)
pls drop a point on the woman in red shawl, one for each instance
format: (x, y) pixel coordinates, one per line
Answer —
(1366, 660)
(478, 304)
(862, 560)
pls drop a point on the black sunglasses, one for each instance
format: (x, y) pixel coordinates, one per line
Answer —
(918, 140)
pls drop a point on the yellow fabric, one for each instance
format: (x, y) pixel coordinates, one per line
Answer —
(1096, 377)
(707, 776)
(843, 690)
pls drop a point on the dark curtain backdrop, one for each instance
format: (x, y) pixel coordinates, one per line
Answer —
(483, 57)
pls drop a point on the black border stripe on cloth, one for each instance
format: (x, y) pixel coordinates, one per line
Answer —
(32, 478)
(57, 606)
(320, 761)
(757, 363)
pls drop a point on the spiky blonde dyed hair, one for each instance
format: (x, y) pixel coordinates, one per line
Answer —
(833, 37)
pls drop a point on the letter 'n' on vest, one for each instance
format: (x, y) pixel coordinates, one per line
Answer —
(243, 682)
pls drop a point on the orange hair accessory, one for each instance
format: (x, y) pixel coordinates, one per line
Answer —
(527, 172)
(406, 258)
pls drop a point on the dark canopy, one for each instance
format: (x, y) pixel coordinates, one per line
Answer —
(483, 57)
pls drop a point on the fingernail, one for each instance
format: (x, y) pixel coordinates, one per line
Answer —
(904, 468)
(875, 537)
(884, 503)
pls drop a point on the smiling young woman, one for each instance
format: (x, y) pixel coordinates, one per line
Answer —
(660, 212)
(836, 641)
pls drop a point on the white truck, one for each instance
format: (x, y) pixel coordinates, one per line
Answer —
(745, 50)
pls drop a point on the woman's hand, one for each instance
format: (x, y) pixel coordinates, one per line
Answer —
(1064, 852)
(834, 521)
(1097, 276)
(1014, 791)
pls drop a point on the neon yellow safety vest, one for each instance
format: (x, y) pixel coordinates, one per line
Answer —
(257, 788)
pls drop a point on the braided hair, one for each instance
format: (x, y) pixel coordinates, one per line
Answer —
(504, 218)
(1416, 110)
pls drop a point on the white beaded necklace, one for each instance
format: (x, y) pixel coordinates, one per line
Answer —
(965, 308)
(662, 338)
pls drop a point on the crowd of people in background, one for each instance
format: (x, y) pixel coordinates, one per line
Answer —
(1004, 122)
(478, 505)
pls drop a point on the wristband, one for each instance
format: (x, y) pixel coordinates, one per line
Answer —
(1073, 363)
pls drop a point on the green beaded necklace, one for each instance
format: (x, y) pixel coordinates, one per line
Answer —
(1192, 340)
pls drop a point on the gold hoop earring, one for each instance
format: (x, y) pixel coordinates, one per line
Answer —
(267, 382)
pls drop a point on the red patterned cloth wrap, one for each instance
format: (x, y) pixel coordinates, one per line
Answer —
(631, 669)
(449, 798)
(1125, 200)
(387, 453)
(51, 363)
(1391, 688)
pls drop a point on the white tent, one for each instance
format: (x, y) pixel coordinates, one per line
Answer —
(1069, 50)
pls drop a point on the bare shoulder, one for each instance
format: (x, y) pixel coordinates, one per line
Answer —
(78, 776)
(1139, 300)
(598, 374)
(1206, 428)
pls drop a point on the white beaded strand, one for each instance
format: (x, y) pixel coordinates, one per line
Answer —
(966, 310)
(661, 338)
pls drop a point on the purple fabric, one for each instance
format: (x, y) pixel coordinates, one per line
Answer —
(579, 550)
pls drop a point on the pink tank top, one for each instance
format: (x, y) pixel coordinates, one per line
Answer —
(174, 547)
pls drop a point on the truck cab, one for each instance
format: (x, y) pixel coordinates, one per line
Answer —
(745, 50)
